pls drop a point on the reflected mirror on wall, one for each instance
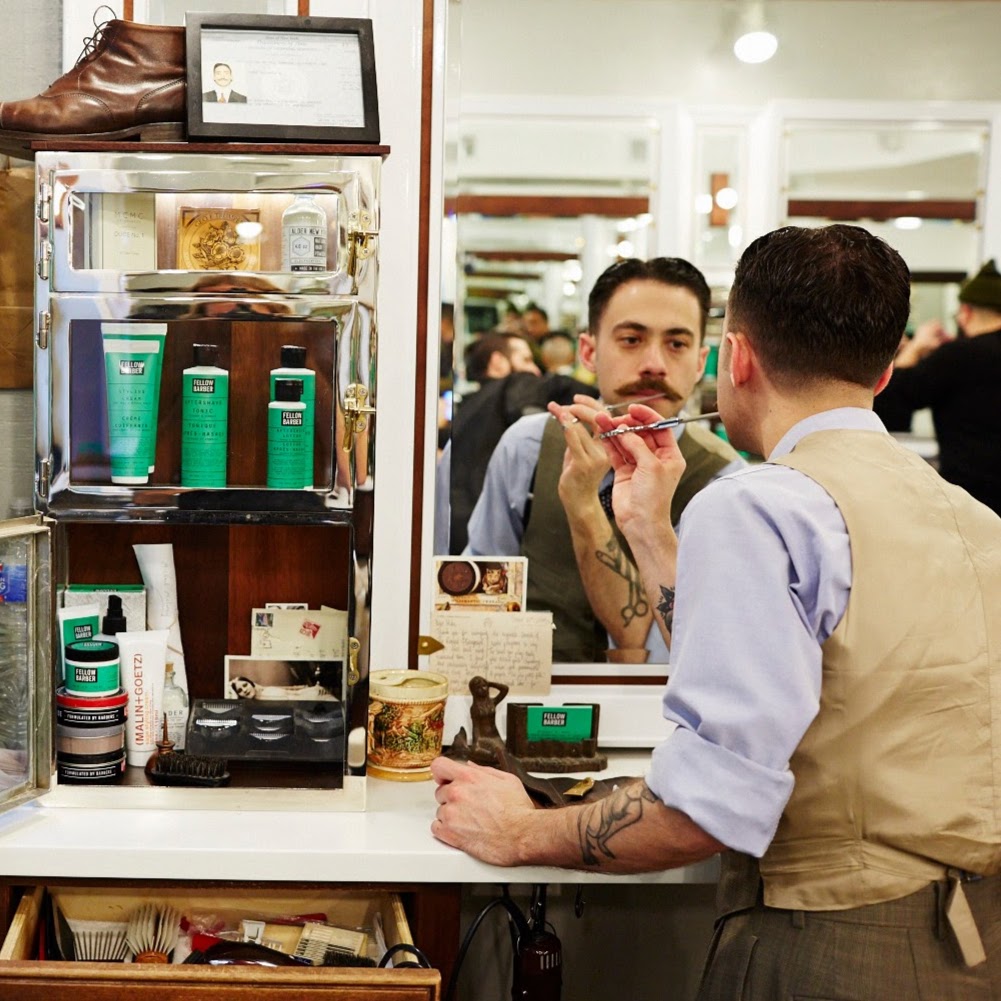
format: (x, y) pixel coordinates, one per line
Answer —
(543, 191)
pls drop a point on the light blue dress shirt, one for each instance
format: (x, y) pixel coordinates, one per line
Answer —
(764, 574)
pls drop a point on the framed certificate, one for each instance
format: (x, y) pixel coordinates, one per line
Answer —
(276, 77)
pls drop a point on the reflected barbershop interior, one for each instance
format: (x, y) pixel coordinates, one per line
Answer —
(651, 650)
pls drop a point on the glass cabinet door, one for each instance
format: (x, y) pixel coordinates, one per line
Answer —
(25, 645)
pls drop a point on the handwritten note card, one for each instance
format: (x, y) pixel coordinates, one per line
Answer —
(516, 650)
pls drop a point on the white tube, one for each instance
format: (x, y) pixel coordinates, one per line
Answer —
(144, 661)
(156, 563)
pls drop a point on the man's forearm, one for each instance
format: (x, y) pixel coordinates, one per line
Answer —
(656, 555)
(610, 578)
(629, 831)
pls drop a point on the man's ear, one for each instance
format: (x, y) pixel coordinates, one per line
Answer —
(586, 349)
(883, 380)
(742, 358)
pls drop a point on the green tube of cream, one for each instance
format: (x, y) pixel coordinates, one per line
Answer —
(133, 354)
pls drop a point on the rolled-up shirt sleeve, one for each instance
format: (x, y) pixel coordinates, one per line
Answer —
(764, 571)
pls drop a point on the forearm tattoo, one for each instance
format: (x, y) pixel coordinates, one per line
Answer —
(666, 606)
(615, 813)
(622, 566)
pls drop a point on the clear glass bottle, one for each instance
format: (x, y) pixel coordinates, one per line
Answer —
(175, 708)
(304, 236)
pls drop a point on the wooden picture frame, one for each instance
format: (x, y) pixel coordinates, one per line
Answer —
(280, 78)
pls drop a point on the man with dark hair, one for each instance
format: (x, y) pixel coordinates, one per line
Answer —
(492, 356)
(535, 321)
(645, 340)
(836, 665)
(222, 92)
(958, 378)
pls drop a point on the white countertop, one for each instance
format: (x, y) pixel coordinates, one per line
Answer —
(67, 833)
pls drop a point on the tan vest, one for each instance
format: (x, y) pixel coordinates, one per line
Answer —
(900, 773)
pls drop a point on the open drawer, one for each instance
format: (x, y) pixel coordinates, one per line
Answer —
(379, 913)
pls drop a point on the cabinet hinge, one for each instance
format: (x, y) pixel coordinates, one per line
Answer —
(43, 329)
(354, 645)
(42, 478)
(361, 241)
(44, 207)
(44, 258)
(355, 410)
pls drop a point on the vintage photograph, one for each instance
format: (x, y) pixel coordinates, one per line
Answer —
(267, 679)
(480, 583)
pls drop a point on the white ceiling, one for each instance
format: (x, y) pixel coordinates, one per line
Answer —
(828, 49)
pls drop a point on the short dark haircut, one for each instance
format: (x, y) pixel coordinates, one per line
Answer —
(535, 308)
(479, 353)
(666, 270)
(825, 303)
(217, 65)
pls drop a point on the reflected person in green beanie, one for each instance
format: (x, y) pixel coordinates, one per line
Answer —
(957, 376)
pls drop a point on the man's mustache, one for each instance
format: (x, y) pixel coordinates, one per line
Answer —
(641, 386)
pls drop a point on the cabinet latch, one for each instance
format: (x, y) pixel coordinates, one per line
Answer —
(362, 239)
(42, 478)
(42, 330)
(44, 207)
(44, 258)
(354, 646)
(355, 410)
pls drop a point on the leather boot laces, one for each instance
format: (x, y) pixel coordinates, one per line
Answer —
(94, 44)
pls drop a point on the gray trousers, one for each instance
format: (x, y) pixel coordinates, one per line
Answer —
(903, 950)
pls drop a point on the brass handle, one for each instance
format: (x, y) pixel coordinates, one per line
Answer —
(355, 409)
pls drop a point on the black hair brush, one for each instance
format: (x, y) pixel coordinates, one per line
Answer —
(167, 767)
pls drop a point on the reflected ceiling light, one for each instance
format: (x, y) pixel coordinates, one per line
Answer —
(248, 230)
(569, 289)
(644, 218)
(703, 204)
(627, 225)
(726, 198)
(735, 236)
(625, 249)
(572, 271)
(756, 44)
(907, 222)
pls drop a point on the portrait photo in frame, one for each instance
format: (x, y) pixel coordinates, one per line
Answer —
(280, 78)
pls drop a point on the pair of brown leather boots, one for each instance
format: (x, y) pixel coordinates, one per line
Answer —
(129, 82)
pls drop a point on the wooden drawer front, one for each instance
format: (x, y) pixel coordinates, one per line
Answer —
(36, 981)
(23, 979)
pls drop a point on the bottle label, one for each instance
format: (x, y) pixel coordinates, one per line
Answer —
(286, 447)
(13, 583)
(204, 430)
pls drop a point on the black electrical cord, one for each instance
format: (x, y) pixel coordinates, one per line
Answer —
(422, 961)
(515, 918)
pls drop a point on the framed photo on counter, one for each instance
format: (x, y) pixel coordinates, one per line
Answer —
(279, 78)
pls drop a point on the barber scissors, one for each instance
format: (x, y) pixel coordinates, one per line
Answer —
(668, 422)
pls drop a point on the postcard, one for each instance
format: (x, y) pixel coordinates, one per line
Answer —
(480, 583)
(300, 634)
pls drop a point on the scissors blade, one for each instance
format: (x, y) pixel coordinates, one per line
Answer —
(668, 422)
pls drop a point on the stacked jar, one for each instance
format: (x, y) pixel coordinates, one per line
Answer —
(91, 706)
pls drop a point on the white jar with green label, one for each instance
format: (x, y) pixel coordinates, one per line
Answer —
(92, 668)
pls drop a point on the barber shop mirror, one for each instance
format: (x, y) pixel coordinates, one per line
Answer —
(559, 162)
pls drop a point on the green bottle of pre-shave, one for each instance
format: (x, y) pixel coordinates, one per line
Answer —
(204, 420)
(286, 436)
(293, 366)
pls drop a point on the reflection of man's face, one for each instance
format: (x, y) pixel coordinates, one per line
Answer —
(648, 343)
(222, 75)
